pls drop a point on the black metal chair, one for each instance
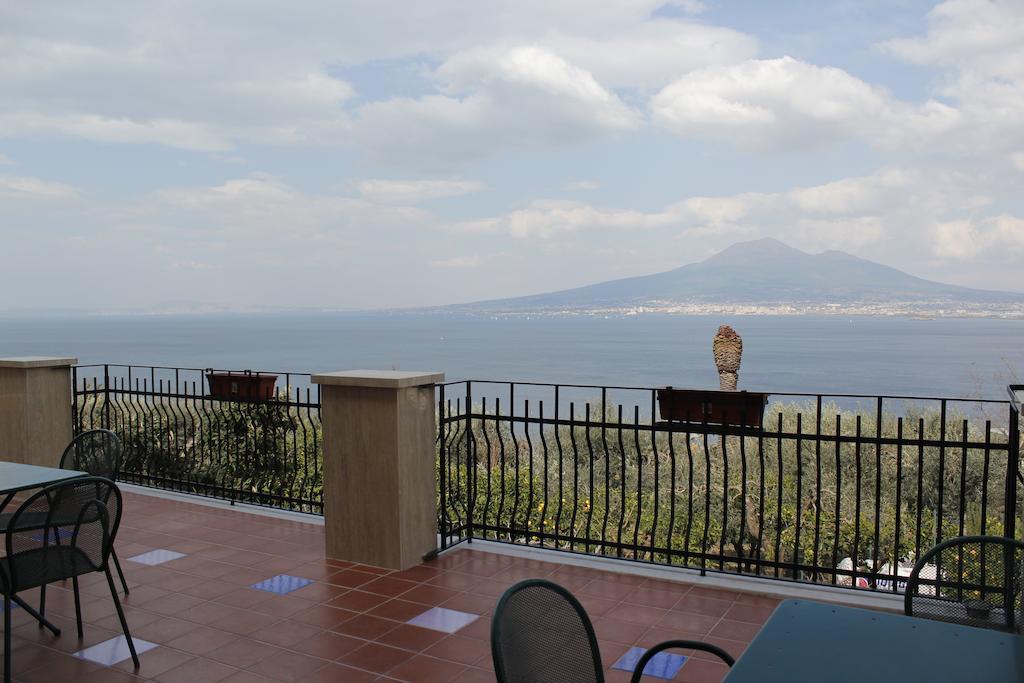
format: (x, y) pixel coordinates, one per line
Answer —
(61, 532)
(970, 580)
(541, 634)
(97, 452)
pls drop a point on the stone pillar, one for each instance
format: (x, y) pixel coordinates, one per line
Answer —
(35, 409)
(379, 449)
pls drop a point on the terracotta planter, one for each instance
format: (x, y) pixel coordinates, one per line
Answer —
(242, 386)
(736, 408)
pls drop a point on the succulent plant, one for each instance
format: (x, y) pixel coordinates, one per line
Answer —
(728, 350)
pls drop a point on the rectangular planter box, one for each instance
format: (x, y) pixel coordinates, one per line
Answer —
(736, 408)
(242, 386)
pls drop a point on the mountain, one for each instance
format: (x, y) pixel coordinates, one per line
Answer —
(763, 271)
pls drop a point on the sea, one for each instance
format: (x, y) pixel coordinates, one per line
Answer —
(949, 357)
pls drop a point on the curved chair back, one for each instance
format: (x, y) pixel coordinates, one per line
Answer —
(62, 531)
(541, 634)
(97, 451)
(970, 580)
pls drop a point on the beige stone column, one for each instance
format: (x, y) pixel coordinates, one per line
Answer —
(35, 409)
(379, 459)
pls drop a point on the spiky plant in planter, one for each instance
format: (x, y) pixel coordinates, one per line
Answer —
(728, 350)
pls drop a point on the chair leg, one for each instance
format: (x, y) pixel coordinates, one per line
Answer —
(42, 604)
(117, 565)
(35, 615)
(7, 638)
(120, 615)
(78, 606)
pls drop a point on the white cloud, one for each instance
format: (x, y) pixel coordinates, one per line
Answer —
(1017, 159)
(28, 187)
(414, 191)
(653, 53)
(785, 103)
(985, 37)
(265, 205)
(688, 6)
(494, 99)
(967, 239)
(550, 218)
(979, 47)
(582, 185)
(204, 76)
(458, 262)
(6, 160)
(894, 208)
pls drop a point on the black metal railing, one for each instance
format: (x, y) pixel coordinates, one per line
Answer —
(179, 437)
(843, 489)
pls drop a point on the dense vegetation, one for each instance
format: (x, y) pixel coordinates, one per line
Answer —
(780, 502)
(266, 453)
(759, 503)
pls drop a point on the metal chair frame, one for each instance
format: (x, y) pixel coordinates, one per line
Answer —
(67, 462)
(562, 593)
(92, 512)
(1015, 619)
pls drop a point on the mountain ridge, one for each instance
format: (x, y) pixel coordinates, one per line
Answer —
(763, 271)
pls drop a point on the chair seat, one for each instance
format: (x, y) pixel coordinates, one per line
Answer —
(33, 568)
(41, 520)
(956, 612)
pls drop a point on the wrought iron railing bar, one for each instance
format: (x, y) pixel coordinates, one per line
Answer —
(575, 476)
(817, 487)
(811, 396)
(590, 480)
(877, 542)
(716, 429)
(607, 468)
(655, 461)
(639, 482)
(544, 446)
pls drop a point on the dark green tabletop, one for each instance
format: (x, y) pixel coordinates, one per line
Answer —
(16, 476)
(810, 641)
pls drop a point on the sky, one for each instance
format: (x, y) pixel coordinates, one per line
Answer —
(370, 153)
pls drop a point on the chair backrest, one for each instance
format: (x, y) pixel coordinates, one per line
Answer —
(64, 530)
(970, 580)
(97, 451)
(541, 634)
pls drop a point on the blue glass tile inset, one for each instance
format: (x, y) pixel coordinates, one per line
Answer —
(155, 557)
(662, 665)
(110, 652)
(282, 584)
(50, 536)
(14, 605)
(444, 620)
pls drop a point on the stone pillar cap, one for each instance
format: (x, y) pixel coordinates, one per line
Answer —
(380, 379)
(37, 362)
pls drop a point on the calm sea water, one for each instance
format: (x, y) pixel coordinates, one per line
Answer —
(943, 357)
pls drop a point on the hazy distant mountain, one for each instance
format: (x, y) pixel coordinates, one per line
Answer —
(758, 272)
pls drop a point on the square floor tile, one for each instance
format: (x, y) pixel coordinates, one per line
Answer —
(155, 557)
(282, 584)
(110, 652)
(444, 620)
(662, 665)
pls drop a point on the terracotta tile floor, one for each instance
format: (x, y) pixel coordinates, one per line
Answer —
(348, 624)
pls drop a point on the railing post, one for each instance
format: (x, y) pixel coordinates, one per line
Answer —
(379, 435)
(106, 396)
(76, 426)
(470, 464)
(442, 469)
(1010, 510)
(35, 414)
